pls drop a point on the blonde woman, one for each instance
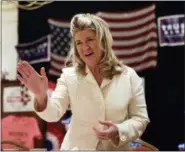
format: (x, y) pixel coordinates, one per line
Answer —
(106, 97)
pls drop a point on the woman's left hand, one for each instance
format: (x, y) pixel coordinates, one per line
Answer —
(110, 132)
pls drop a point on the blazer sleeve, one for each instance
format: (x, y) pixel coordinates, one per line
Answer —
(57, 104)
(135, 125)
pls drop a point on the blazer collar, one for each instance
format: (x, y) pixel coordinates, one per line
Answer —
(90, 78)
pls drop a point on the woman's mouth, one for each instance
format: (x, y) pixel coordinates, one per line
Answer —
(89, 54)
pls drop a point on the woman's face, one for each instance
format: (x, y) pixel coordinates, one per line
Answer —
(88, 47)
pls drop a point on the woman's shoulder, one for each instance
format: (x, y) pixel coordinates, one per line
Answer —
(69, 76)
(69, 71)
(127, 70)
(129, 73)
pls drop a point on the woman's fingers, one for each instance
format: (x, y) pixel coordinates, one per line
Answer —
(25, 69)
(22, 72)
(102, 138)
(21, 79)
(101, 134)
(28, 67)
(42, 72)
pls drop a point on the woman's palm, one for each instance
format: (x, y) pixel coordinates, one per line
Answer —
(35, 82)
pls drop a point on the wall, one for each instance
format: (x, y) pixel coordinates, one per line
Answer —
(9, 38)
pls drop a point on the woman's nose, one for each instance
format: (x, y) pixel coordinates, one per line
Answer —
(85, 46)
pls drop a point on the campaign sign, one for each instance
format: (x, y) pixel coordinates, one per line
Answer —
(171, 30)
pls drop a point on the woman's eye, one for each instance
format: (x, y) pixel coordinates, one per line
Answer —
(78, 43)
(89, 40)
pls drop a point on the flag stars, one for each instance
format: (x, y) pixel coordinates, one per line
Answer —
(61, 39)
(65, 40)
(61, 34)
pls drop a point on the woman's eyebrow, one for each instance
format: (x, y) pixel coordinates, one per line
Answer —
(86, 38)
(90, 37)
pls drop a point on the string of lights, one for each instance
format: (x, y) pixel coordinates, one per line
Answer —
(30, 5)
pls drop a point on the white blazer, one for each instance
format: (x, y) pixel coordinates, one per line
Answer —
(120, 100)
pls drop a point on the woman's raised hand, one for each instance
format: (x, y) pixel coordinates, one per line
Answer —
(37, 83)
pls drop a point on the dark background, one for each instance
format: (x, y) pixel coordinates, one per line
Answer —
(164, 85)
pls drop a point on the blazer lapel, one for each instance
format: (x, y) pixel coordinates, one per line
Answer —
(105, 82)
(89, 77)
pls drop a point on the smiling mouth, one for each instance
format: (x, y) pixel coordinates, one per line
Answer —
(89, 54)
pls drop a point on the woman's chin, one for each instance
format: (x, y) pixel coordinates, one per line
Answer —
(91, 63)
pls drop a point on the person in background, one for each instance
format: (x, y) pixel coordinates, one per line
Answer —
(106, 97)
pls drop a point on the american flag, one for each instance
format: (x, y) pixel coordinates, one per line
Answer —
(36, 51)
(60, 45)
(135, 36)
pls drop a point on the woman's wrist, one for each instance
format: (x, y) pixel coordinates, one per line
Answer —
(41, 97)
(40, 102)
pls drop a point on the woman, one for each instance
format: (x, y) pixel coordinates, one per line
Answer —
(106, 98)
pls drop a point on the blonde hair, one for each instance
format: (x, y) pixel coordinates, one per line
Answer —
(109, 64)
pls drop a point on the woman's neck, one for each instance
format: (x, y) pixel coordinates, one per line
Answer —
(95, 70)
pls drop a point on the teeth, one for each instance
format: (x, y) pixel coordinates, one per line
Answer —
(89, 54)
